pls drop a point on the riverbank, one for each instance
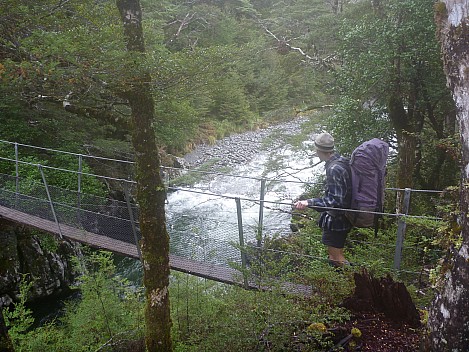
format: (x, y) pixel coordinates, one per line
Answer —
(243, 147)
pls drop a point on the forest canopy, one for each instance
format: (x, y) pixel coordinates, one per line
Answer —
(71, 79)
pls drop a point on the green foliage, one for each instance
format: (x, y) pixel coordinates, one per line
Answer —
(444, 236)
(31, 181)
(179, 125)
(17, 124)
(353, 124)
(222, 71)
(49, 242)
(109, 310)
(19, 320)
(108, 305)
(205, 315)
(392, 84)
(209, 62)
(215, 317)
(230, 103)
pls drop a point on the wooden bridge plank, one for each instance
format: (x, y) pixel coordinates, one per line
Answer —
(205, 270)
(209, 271)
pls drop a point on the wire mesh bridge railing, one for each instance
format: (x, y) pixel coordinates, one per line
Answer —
(206, 245)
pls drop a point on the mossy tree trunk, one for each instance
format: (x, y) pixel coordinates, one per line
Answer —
(404, 124)
(449, 314)
(150, 188)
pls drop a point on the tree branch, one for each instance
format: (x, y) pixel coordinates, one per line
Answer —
(284, 45)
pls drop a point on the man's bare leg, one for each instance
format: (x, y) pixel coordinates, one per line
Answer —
(336, 256)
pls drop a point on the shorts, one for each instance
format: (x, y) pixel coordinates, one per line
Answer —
(334, 239)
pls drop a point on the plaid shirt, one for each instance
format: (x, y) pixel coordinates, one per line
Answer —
(337, 194)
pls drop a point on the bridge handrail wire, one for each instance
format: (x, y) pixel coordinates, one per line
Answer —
(83, 205)
(68, 153)
(225, 196)
(414, 247)
(72, 207)
(195, 236)
(133, 162)
(223, 241)
(214, 239)
(185, 189)
(70, 171)
(261, 202)
(136, 221)
(166, 167)
(100, 202)
(318, 207)
(115, 217)
(214, 242)
(40, 184)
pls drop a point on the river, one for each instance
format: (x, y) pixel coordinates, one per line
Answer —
(203, 220)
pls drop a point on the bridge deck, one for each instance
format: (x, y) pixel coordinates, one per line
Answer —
(204, 270)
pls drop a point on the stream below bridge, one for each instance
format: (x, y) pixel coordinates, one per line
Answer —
(203, 220)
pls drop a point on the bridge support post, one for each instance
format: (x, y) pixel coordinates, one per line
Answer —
(401, 227)
(50, 199)
(241, 240)
(17, 172)
(261, 214)
(80, 170)
(17, 177)
(131, 218)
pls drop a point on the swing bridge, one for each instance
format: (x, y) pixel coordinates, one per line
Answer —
(101, 222)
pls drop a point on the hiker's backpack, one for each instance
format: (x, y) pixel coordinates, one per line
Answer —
(368, 170)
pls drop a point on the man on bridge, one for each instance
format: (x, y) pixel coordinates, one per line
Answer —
(338, 189)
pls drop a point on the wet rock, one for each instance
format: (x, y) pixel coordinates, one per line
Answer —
(44, 260)
(243, 147)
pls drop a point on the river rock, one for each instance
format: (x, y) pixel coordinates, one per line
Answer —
(242, 147)
(36, 256)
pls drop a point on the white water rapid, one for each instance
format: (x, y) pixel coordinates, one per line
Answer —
(204, 218)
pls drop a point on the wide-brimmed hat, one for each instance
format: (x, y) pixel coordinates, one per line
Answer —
(324, 142)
